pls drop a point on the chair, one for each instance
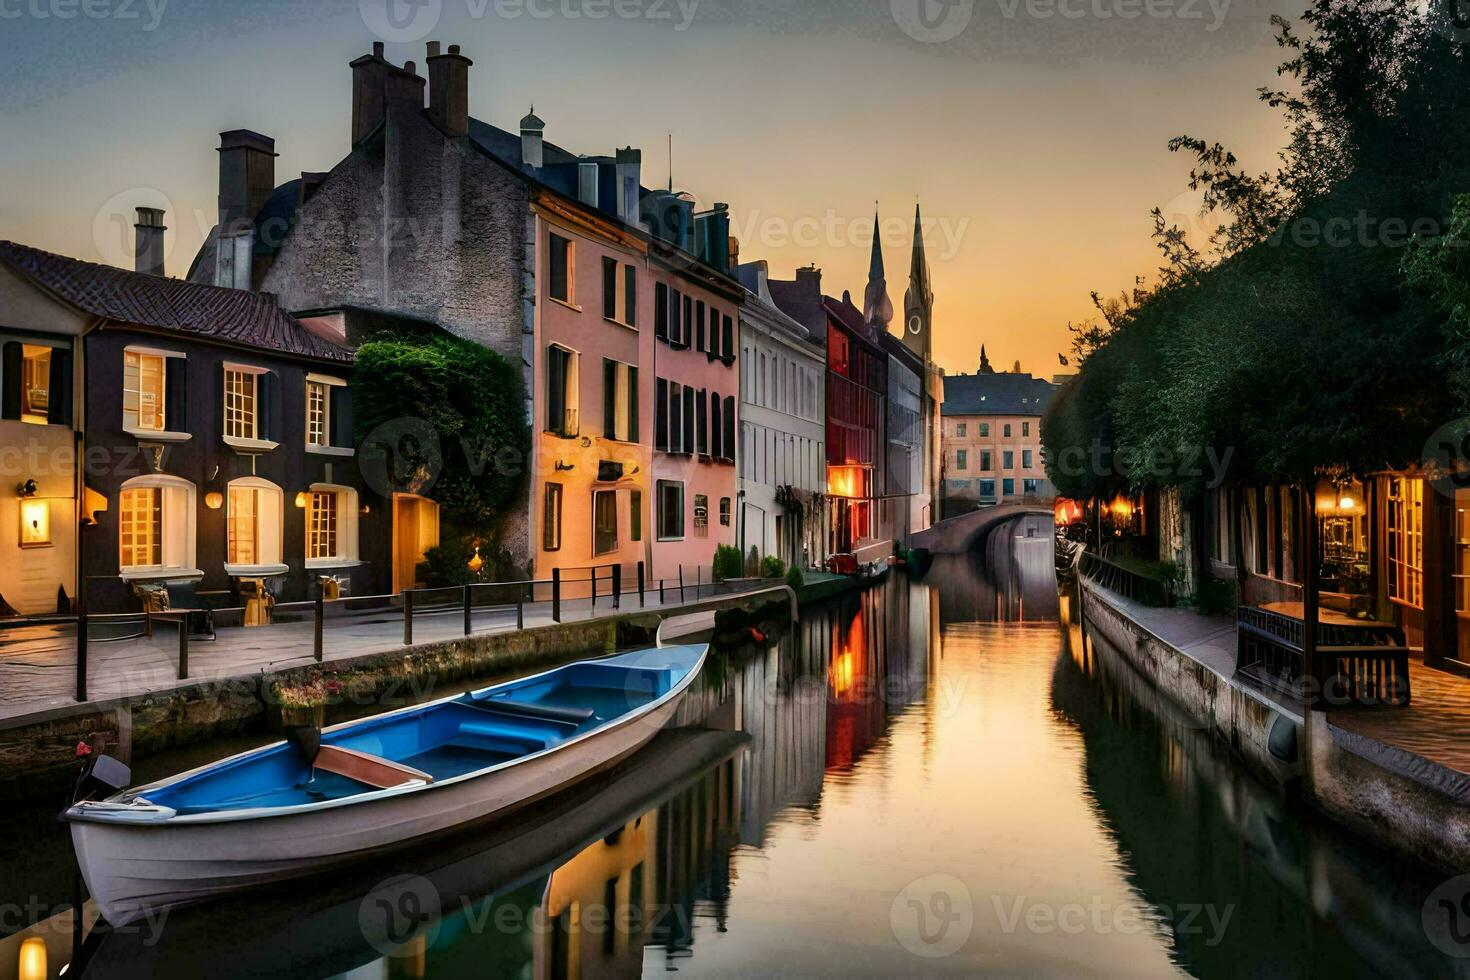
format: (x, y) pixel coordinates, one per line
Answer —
(177, 597)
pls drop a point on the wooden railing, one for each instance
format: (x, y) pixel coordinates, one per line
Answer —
(1125, 581)
(1367, 664)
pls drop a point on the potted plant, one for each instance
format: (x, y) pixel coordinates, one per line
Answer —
(305, 702)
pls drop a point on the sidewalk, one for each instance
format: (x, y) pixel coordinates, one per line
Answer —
(38, 666)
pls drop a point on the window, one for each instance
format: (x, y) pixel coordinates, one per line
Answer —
(609, 288)
(143, 391)
(717, 447)
(701, 515)
(985, 461)
(1008, 460)
(321, 525)
(561, 391)
(156, 521)
(1030, 486)
(727, 338)
(562, 269)
(1007, 431)
(551, 518)
(960, 428)
(604, 522)
(1025, 428)
(961, 459)
(701, 423)
(635, 515)
(140, 528)
(670, 510)
(318, 407)
(661, 310)
(242, 395)
(724, 512)
(35, 384)
(701, 338)
(630, 296)
(331, 526)
(674, 417)
(253, 522)
(1406, 541)
(1025, 459)
(987, 489)
(985, 430)
(727, 441)
(1010, 486)
(619, 401)
(688, 419)
(688, 321)
(677, 319)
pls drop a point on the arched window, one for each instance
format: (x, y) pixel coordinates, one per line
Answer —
(156, 528)
(331, 526)
(254, 510)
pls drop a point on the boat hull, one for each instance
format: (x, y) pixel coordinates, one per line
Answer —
(132, 871)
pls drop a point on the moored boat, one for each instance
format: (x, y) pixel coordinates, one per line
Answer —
(310, 804)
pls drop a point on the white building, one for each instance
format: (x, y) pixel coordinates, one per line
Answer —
(783, 463)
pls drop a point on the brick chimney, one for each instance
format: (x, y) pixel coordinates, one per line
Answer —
(809, 280)
(247, 176)
(368, 73)
(449, 90)
(149, 237)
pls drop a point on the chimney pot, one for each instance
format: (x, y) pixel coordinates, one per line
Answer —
(454, 49)
(449, 90)
(433, 49)
(148, 236)
(377, 49)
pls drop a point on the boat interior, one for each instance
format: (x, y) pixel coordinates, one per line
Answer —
(440, 741)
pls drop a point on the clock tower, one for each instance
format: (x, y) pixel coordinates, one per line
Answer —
(918, 304)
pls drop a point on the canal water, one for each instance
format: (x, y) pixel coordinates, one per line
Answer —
(932, 777)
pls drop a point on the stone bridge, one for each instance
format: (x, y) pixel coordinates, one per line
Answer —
(958, 535)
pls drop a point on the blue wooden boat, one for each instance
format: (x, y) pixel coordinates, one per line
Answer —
(303, 806)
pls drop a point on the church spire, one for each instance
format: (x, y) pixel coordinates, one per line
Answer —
(877, 307)
(918, 303)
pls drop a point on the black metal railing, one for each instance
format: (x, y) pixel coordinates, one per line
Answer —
(1127, 582)
(1366, 664)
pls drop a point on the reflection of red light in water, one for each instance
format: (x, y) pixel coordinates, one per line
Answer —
(851, 727)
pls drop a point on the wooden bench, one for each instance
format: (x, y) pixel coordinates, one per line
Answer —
(370, 770)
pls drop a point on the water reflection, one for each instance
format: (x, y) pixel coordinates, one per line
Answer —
(942, 749)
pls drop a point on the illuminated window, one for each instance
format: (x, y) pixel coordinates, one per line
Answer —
(241, 397)
(321, 525)
(253, 520)
(140, 528)
(1406, 541)
(318, 411)
(35, 387)
(143, 391)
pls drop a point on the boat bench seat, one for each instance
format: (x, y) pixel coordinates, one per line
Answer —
(517, 739)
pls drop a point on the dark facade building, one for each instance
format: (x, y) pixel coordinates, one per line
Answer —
(215, 431)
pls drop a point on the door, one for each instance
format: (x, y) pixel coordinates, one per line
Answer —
(415, 531)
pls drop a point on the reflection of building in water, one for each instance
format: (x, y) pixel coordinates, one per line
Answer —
(639, 885)
(1013, 581)
(855, 709)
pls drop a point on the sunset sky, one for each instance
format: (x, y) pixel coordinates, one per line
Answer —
(1034, 136)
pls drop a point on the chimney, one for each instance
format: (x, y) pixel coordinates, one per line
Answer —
(368, 73)
(449, 90)
(533, 131)
(630, 185)
(247, 176)
(810, 282)
(734, 248)
(149, 231)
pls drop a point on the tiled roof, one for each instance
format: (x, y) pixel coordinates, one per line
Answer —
(232, 316)
(996, 394)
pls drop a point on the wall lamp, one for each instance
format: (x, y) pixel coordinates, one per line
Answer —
(26, 489)
(214, 500)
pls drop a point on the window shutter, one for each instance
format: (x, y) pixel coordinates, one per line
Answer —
(716, 428)
(688, 322)
(265, 423)
(12, 359)
(729, 447)
(58, 410)
(727, 344)
(661, 311)
(630, 300)
(676, 318)
(609, 399)
(701, 423)
(632, 404)
(661, 415)
(700, 340)
(610, 288)
(342, 417)
(176, 394)
(688, 419)
(556, 382)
